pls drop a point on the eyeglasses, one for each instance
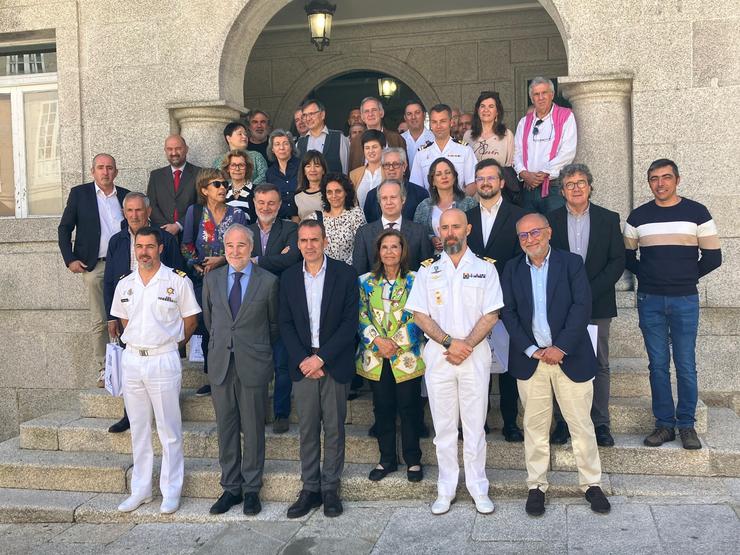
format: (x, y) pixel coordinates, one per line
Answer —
(237, 166)
(582, 184)
(534, 233)
(311, 114)
(487, 179)
(392, 165)
(224, 184)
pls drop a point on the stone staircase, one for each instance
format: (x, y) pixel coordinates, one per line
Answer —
(67, 461)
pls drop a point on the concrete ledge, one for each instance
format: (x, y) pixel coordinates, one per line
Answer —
(22, 505)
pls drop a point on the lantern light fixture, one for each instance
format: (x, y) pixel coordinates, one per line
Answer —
(320, 14)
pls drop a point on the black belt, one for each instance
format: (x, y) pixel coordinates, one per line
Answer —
(101, 259)
(314, 350)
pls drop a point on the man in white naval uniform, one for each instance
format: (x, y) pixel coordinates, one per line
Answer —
(458, 153)
(455, 300)
(157, 308)
(417, 135)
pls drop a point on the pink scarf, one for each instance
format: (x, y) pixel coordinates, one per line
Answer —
(559, 117)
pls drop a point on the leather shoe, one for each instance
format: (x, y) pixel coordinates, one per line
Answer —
(442, 504)
(133, 503)
(169, 505)
(252, 505)
(603, 436)
(689, 439)
(483, 504)
(307, 500)
(203, 391)
(560, 434)
(332, 504)
(225, 502)
(599, 502)
(280, 425)
(415, 475)
(535, 502)
(121, 426)
(377, 474)
(513, 434)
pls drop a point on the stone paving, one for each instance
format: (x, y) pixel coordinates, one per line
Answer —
(636, 525)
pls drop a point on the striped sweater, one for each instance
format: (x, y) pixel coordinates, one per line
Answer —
(670, 240)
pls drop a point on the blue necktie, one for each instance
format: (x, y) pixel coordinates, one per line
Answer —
(235, 295)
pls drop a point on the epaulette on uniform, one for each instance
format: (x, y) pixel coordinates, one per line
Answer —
(487, 259)
(459, 141)
(429, 261)
(179, 272)
(425, 145)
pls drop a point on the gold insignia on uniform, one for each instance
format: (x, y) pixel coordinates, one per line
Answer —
(426, 263)
(487, 259)
(438, 297)
(130, 292)
(179, 272)
(170, 291)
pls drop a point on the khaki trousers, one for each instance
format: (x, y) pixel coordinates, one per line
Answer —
(98, 317)
(575, 403)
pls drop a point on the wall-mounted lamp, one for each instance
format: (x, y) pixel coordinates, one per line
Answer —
(320, 14)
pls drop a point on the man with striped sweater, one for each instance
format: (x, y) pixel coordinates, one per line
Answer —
(678, 244)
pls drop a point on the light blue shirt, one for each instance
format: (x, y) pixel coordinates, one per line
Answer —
(540, 327)
(314, 286)
(244, 280)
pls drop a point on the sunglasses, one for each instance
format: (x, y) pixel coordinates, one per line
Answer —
(537, 127)
(224, 184)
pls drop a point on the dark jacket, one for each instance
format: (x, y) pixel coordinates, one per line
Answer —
(339, 320)
(162, 196)
(503, 243)
(568, 314)
(604, 256)
(81, 216)
(363, 256)
(283, 234)
(414, 195)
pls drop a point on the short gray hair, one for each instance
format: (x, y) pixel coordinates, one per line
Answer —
(136, 194)
(572, 169)
(281, 133)
(242, 228)
(368, 99)
(394, 150)
(539, 80)
(392, 182)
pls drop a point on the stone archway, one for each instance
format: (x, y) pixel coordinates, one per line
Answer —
(339, 65)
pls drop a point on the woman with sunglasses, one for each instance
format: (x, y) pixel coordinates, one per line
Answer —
(238, 166)
(203, 239)
(488, 135)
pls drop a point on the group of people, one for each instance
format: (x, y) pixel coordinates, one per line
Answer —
(419, 262)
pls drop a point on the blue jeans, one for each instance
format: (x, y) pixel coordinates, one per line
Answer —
(671, 323)
(283, 384)
(532, 200)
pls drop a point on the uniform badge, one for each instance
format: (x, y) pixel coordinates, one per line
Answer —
(130, 292)
(170, 291)
(438, 297)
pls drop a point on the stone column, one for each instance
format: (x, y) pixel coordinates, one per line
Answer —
(202, 124)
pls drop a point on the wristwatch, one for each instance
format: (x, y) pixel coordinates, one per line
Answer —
(447, 341)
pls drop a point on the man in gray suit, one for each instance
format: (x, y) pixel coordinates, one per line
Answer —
(240, 310)
(171, 189)
(391, 197)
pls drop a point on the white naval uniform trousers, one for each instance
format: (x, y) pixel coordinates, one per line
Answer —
(456, 298)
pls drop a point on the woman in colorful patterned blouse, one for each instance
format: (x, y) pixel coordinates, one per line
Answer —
(389, 355)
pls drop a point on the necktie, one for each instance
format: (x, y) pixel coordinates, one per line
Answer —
(235, 295)
(391, 225)
(176, 175)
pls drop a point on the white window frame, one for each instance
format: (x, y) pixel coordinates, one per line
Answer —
(17, 86)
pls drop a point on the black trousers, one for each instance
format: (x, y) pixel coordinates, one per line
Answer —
(391, 398)
(509, 399)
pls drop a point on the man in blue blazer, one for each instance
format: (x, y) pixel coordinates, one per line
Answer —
(547, 308)
(394, 165)
(319, 320)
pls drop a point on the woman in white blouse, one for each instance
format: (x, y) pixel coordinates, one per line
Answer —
(488, 135)
(368, 177)
(308, 192)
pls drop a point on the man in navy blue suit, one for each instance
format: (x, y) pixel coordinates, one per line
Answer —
(547, 309)
(318, 324)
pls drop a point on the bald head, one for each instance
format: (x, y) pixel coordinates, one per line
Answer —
(534, 236)
(534, 219)
(453, 214)
(176, 150)
(453, 230)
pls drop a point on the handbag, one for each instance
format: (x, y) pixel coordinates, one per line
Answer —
(113, 380)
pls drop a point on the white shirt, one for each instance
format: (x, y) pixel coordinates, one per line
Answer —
(456, 298)
(488, 218)
(314, 291)
(133, 262)
(539, 146)
(317, 143)
(461, 156)
(154, 311)
(386, 221)
(369, 182)
(110, 215)
(413, 146)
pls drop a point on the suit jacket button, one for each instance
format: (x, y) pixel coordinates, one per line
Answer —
(233, 328)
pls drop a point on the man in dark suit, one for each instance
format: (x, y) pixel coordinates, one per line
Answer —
(318, 323)
(371, 112)
(547, 308)
(391, 194)
(240, 310)
(493, 234)
(94, 214)
(602, 252)
(171, 189)
(275, 249)
(394, 166)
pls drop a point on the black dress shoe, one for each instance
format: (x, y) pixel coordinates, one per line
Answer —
(599, 502)
(415, 475)
(377, 474)
(225, 502)
(513, 435)
(121, 426)
(560, 434)
(252, 505)
(332, 504)
(203, 391)
(535, 502)
(352, 395)
(603, 436)
(307, 500)
(372, 431)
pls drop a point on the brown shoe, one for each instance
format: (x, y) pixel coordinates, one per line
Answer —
(660, 436)
(689, 439)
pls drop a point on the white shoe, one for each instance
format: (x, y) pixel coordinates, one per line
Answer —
(169, 505)
(483, 504)
(133, 503)
(442, 504)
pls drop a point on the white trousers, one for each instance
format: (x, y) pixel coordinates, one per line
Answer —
(152, 384)
(574, 400)
(459, 393)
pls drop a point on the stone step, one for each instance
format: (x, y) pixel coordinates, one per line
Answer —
(628, 414)
(61, 431)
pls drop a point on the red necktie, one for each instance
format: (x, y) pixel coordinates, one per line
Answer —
(177, 175)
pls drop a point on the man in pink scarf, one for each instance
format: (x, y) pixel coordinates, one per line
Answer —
(544, 143)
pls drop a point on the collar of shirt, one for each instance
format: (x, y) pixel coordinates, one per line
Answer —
(155, 278)
(494, 208)
(397, 222)
(547, 259)
(173, 169)
(321, 270)
(246, 272)
(100, 191)
(324, 131)
(467, 258)
(573, 214)
(547, 115)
